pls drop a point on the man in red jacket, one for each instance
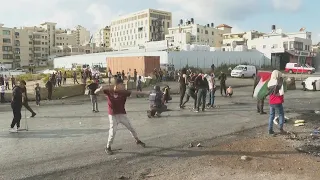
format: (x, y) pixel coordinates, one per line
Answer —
(117, 98)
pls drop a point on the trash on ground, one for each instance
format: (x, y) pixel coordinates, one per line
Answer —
(299, 124)
(299, 121)
(199, 145)
(191, 145)
(245, 158)
(317, 112)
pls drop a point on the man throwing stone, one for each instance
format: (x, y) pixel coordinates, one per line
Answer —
(117, 98)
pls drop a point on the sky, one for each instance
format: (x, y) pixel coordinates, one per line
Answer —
(242, 15)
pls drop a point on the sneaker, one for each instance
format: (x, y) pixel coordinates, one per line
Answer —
(196, 111)
(263, 113)
(13, 130)
(271, 132)
(33, 115)
(140, 143)
(108, 150)
(97, 111)
(93, 111)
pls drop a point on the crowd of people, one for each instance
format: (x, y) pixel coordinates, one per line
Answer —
(196, 85)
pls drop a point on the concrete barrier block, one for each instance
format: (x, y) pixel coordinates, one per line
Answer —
(291, 83)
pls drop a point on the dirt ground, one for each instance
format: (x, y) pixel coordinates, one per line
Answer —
(269, 158)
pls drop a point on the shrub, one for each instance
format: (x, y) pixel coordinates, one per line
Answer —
(29, 77)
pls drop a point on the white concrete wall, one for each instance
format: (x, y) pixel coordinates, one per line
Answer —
(179, 59)
(206, 59)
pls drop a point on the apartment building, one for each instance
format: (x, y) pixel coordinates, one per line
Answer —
(32, 46)
(277, 46)
(140, 27)
(187, 32)
(102, 37)
(13, 47)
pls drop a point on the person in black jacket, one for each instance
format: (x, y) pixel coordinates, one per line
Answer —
(223, 87)
(202, 86)
(49, 86)
(16, 105)
(25, 97)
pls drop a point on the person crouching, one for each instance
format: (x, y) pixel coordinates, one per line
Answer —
(229, 91)
(156, 103)
(166, 94)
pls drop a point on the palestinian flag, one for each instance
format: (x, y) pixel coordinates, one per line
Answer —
(262, 87)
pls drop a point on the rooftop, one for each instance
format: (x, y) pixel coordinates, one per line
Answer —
(223, 25)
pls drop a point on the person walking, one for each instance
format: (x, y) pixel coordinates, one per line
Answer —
(37, 94)
(64, 82)
(2, 93)
(212, 90)
(191, 90)
(16, 105)
(260, 99)
(59, 78)
(201, 84)
(223, 87)
(276, 92)
(117, 98)
(182, 85)
(109, 76)
(6, 81)
(49, 86)
(74, 76)
(2, 79)
(25, 99)
(92, 87)
(13, 81)
(135, 75)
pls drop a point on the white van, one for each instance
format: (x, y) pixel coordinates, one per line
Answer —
(244, 71)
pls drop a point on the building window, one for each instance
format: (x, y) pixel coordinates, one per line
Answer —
(253, 47)
(206, 31)
(7, 56)
(198, 30)
(305, 47)
(6, 32)
(6, 48)
(5, 40)
(168, 24)
(264, 46)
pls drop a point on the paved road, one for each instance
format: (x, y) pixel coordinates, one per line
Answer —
(67, 137)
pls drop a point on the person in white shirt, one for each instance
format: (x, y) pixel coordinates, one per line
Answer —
(6, 81)
(212, 90)
(2, 92)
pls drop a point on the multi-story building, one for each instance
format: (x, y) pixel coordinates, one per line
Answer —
(82, 35)
(277, 46)
(13, 47)
(102, 37)
(190, 33)
(140, 27)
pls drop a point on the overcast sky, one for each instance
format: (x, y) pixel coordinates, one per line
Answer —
(243, 15)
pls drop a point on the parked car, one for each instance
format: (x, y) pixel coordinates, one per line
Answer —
(244, 71)
(19, 70)
(297, 68)
(311, 83)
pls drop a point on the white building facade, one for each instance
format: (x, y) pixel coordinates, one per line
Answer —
(194, 34)
(277, 46)
(138, 28)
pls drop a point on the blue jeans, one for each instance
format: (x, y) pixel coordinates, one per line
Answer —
(273, 108)
(211, 97)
